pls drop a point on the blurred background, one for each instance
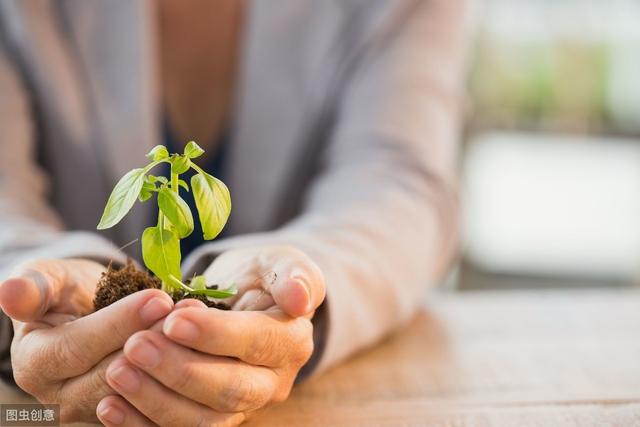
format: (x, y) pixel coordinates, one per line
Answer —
(551, 158)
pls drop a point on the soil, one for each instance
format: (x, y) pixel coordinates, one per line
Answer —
(117, 283)
(179, 295)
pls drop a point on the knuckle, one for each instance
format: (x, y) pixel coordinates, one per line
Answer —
(241, 394)
(263, 348)
(69, 353)
(157, 410)
(98, 380)
(302, 342)
(181, 378)
(117, 328)
(304, 353)
(303, 329)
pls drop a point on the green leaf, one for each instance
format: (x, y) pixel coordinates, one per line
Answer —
(216, 293)
(193, 150)
(176, 210)
(198, 282)
(122, 198)
(179, 164)
(147, 191)
(182, 183)
(159, 152)
(161, 253)
(153, 179)
(213, 202)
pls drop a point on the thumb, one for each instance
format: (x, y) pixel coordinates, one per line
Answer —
(28, 296)
(299, 293)
(37, 287)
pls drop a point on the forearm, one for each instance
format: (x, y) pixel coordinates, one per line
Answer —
(376, 266)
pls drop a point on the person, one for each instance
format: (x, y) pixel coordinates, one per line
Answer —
(334, 124)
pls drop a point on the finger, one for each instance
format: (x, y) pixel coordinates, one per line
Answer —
(298, 288)
(221, 383)
(288, 274)
(73, 348)
(259, 338)
(25, 298)
(161, 405)
(115, 411)
(37, 287)
(189, 302)
(77, 396)
(297, 295)
(254, 299)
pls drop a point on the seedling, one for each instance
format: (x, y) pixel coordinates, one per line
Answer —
(161, 243)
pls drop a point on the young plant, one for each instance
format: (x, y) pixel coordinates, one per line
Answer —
(161, 243)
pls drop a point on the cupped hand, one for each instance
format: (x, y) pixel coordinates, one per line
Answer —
(214, 367)
(60, 349)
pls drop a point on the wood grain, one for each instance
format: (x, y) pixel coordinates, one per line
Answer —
(516, 358)
(556, 358)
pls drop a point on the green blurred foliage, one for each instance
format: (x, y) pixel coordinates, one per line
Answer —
(560, 86)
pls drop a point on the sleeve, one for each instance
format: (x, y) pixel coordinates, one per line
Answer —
(29, 227)
(381, 217)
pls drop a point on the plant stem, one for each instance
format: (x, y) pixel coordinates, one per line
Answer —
(174, 182)
(214, 293)
(160, 220)
(165, 286)
(197, 168)
(177, 284)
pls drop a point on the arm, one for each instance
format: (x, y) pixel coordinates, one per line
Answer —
(51, 346)
(380, 219)
(29, 227)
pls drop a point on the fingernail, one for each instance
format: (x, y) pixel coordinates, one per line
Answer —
(111, 414)
(181, 329)
(189, 302)
(305, 288)
(126, 378)
(143, 353)
(156, 308)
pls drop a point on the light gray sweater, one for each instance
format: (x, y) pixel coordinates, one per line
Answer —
(343, 143)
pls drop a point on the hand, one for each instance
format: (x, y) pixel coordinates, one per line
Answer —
(213, 367)
(58, 355)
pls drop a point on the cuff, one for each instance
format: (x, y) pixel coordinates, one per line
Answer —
(6, 336)
(76, 244)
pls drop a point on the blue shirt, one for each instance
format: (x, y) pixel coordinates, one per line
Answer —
(212, 165)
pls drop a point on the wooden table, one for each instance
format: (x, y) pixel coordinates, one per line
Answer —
(558, 358)
(511, 358)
